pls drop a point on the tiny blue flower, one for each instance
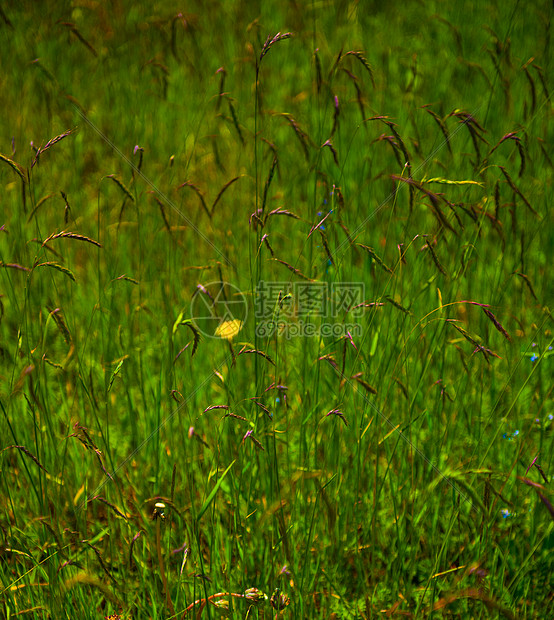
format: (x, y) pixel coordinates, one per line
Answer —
(534, 357)
(550, 416)
(505, 513)
(516, 433)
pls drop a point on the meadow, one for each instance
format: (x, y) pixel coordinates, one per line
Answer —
(276, 333)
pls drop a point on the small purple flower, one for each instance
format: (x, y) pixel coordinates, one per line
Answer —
(505, 513)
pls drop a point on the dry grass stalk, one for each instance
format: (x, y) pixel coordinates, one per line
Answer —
(330, 360)
(105, 501)
(222, 76)
(73, 28)
(527, 281)
(434, 200)
(212, 407)
(336, 63)
(85, 579)
(359, 99)
(5, 18)
(375, 257)
(122, 187)
(181, 352)
(369, 304)
(358, 378)
(395, 147)
(235, 120)
(67, 209)
(336, 114)
(361, 58)
(138, 149)
(221, 192)
(256, 352)
(38, 205)
(496, 323)
(493, 606)
(531, 86)
(261, 406)
(516, 190)
(302, 136)
(269, 42)
(316, 226)
(70, 235)
(250, 435)
(512, 136)
(13, 266)
(268, 181)
(162, 211)
(127, 279)
(318, 74)
(50, 144)
(497, 200)
(17, 168)
(57, 315)
(326, 247)
(403, 148)
(543, 81)
(441, 125)
(266, 241)
(101, 560)
(27, 453)
(58, 267)
(179, 18)
(396, 304)
(338, 413)
(293, 269)
(429, 246)
(255, 219)
(237, 417)
(333, 150)
(197, 191)
(478, 347)
(474, 128)
(196, 334)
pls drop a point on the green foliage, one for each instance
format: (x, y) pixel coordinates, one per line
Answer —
(159, 171)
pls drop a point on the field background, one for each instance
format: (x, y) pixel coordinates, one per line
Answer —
(382, 472)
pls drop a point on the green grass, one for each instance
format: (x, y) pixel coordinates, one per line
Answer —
(413, 495)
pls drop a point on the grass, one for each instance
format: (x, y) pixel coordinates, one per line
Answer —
(162, 459)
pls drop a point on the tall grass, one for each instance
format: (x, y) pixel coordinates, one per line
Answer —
(156, 162)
